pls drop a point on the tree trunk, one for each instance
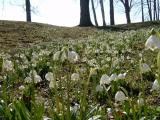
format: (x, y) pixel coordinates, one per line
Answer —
(84, 14)
(149, 9)
(154, 10)
(111, 12)
(28, 11)
(142, 10)
(94, 13)
(158, 9)
(127, 11)
(103, 13)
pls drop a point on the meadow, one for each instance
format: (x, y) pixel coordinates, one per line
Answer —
(78, 74)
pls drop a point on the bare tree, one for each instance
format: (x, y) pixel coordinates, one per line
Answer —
(103, 12)
(94, 13)
(127, 5)
(111, 12)
(142, 10)
(85, 14)
(28, 10)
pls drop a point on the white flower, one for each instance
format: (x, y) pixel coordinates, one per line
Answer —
(140, 101)
(51, 85)
(121, 76)
(75, 108)
(113, 77)
(155, 85)
(152, 43)
(96, 117)
(49, 76)
(7, 65)
(72, 56)
(99, 88)
(145, 68)
(37, 79)
(28, 79)
(56, 56)
(104, 79)
(46, 118)
(120, 96)
(21, 87)
(75, 77)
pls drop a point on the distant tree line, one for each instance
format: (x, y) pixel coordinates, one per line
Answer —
(148, 9)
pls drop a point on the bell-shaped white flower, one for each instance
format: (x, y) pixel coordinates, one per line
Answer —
(28, 79)
(152, 42)
(155, 85)
(75, 77)
(145, 68)
(140, 101)
(99, 88)
(120, 96)
(49, 76)
(21, 87)
(7, 65)
(72, 56)
(46, 118)
(56, 56)
(113, 77)
(96, 117)
(51, 85)
(121, 76)
(104, 79)
(37, 79)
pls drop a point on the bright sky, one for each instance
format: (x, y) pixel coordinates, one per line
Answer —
(56, 12)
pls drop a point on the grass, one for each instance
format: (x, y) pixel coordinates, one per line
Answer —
(118, 50)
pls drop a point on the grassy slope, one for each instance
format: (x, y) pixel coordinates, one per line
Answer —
(22, 34)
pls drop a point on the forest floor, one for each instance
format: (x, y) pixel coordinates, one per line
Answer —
(16, 34)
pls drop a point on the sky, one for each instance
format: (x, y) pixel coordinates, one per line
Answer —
(58, 12)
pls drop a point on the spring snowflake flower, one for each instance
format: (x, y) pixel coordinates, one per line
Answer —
(121, 76)
(49, 76)
(46, 118)
(75, 77)
(104, 79)
(152, 43)
(140, 101)
(113, 77)
(37, 79)
(21, 87)
(7, 65)
(56, 56)
(65, 54)
(75, 108)
(155, 85)
(99, 88)
(120, 96)
(72, 56)
(51, 85)
(28, 79)
(96, 117)
(145, 68)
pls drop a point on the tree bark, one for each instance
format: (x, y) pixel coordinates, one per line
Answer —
(127, 11)
(149, 9)
(111, 12)
(85, 14)
(154, 10)
(103, 13)
(28, 10)
(94, 13)
(158, 9)
(142, 10)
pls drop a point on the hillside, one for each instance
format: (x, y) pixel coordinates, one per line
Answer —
(15, 34)
(79, 73)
